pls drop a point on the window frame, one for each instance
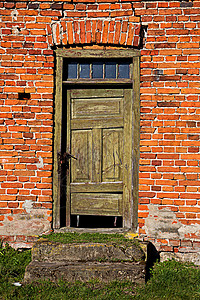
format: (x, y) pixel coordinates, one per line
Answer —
(104, 63)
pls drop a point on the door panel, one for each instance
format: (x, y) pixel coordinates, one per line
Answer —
(95, 137)
(90, 108)
(90, 103)
(96, 204)
(112, 154)
(81, 142)
(96, 154)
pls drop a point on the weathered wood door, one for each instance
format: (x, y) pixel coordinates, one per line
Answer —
(99, 136)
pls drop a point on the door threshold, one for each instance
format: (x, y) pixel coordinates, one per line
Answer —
(91, 230)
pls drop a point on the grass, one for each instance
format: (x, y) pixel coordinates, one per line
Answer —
(12, 268)
(63, 290)
(74, 237)
(170, 280)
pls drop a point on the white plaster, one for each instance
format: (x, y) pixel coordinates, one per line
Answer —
(28, 205)
(15, 30)
(33, 223)
(14, 14)
(191, 257)
(40, 164)
(163, 224)
(189, 229)
(54, 25)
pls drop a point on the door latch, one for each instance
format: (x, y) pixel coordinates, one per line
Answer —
(63, 158)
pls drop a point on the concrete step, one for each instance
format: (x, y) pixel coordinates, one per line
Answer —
(85, 261)
(81, 271)
(54, 251)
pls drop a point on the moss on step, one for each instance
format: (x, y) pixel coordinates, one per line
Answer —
(74, 237)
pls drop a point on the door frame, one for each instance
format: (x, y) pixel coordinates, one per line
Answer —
(130, 215)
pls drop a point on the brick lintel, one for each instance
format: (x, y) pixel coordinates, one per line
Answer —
(119, 31)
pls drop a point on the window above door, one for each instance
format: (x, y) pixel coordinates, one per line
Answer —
(97, 66)
(97, 69)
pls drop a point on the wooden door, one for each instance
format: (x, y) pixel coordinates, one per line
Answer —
(98, 136)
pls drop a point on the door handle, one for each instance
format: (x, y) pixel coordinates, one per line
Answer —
(64, 158)
(69, 155)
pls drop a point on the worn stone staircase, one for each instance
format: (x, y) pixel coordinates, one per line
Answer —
(85, 261)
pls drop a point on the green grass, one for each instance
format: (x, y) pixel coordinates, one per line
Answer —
(63, 290)
(12, 268)
(74, 237)
(170, 280)
(13, 263)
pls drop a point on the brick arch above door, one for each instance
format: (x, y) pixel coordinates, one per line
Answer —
(120, 31)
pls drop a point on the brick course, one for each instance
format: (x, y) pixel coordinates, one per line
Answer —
(168, 34)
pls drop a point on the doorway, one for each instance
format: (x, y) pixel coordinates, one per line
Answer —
(95, 150)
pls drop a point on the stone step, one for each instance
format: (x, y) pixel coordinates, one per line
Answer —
(85, 271)
(44, 251)
(85, 261)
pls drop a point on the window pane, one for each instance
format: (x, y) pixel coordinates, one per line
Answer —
(97, 70)
(84, 70)
(110, 70)
(124, 70)
(72, 70)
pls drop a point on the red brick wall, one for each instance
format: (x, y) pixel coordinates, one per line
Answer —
(169, 208)
(169, 212)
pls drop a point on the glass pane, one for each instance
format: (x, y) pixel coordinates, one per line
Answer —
(124, 70)
(84, 70)
(72, 70)
(97, 70)
(110, 70)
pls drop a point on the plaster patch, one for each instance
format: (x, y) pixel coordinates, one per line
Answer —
(15, 30)
(28, 205)
(34, 223)
(40, 164)
(189, 230)
(54, 25)
(14, 14)
(163, 224)
(191, 257)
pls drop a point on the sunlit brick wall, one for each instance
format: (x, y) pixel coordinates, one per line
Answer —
(169, 211)
(168, 34)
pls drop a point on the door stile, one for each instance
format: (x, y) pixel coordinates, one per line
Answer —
(127, 163)
(96, 154)
(57, 143)
(136, 139)
(68, 167)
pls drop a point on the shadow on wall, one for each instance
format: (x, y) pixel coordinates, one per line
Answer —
(153, 256)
